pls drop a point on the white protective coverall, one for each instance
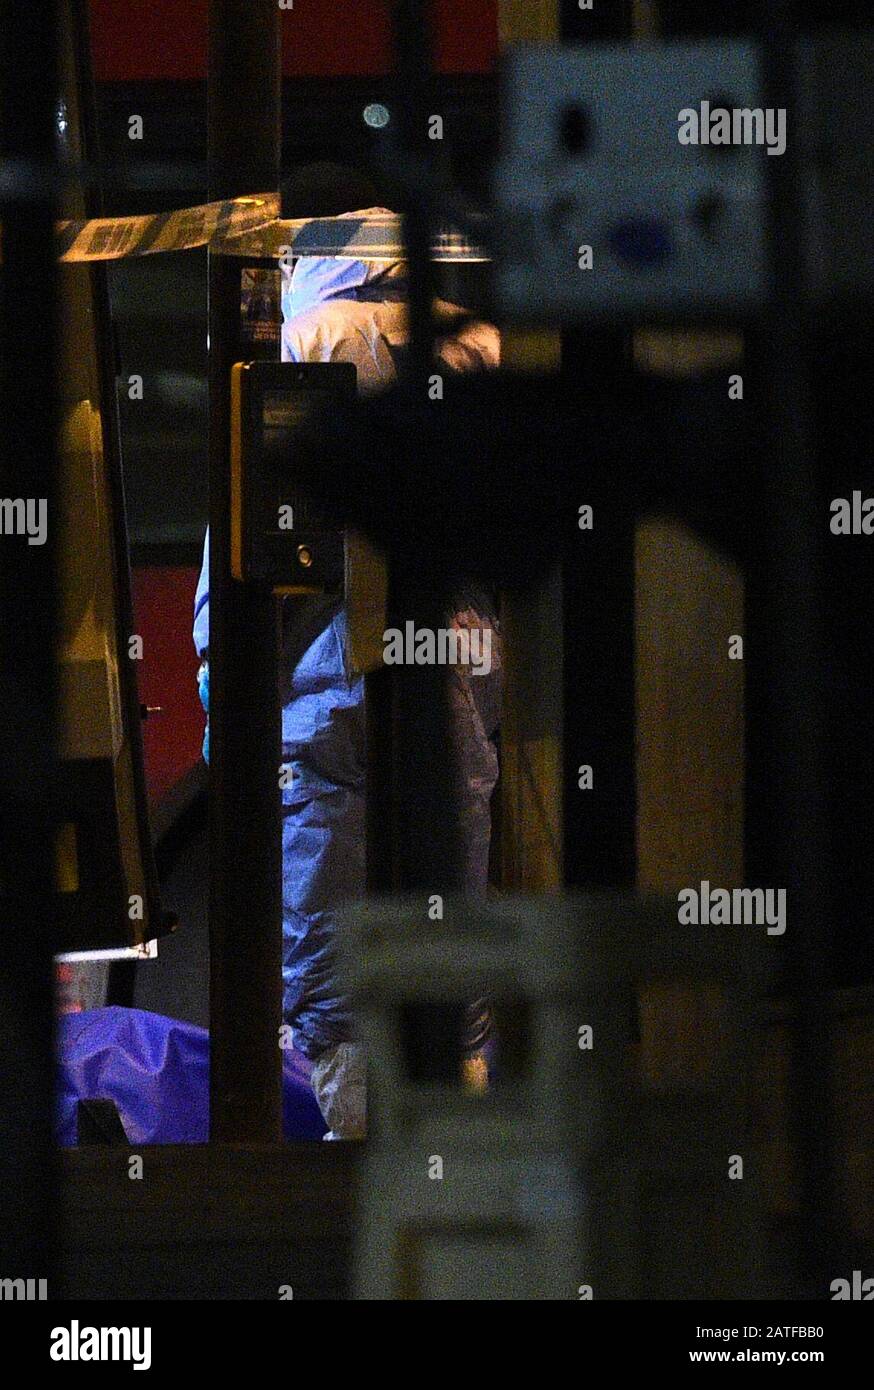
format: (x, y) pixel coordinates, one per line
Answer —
(338, 310)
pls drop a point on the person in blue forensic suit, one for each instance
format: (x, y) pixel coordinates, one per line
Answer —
(352, 311)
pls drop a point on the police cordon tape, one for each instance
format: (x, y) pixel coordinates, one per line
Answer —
(250, 226)
(118, 238)
(377, 237)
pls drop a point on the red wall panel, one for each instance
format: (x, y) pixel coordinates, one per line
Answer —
(467, 35)
(148, 38)
(135, 39)
(163, 612)
(324, 37)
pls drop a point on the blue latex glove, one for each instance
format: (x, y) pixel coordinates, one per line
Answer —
(203, 692)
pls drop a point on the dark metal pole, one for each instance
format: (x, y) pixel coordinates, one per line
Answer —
(794, 632)
(413, 47)
(29, 90)
(426, 826)
(245, 850)
(426, 832)
(598, 596)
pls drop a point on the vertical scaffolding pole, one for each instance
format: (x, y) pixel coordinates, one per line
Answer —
(29, 89)
(426, 823)
(531, 808)
(426, 826)
(245, 850)
(794, 630)
(598, 599)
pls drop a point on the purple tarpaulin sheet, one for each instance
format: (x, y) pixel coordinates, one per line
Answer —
(156, 1070)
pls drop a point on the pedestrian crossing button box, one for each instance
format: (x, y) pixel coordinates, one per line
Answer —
(280, 534)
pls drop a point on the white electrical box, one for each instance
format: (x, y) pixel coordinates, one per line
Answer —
(634, 180)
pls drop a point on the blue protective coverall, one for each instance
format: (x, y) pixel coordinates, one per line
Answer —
(342, 310)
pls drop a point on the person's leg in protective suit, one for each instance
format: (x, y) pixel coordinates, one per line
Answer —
(324, 836)
(323, 853)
